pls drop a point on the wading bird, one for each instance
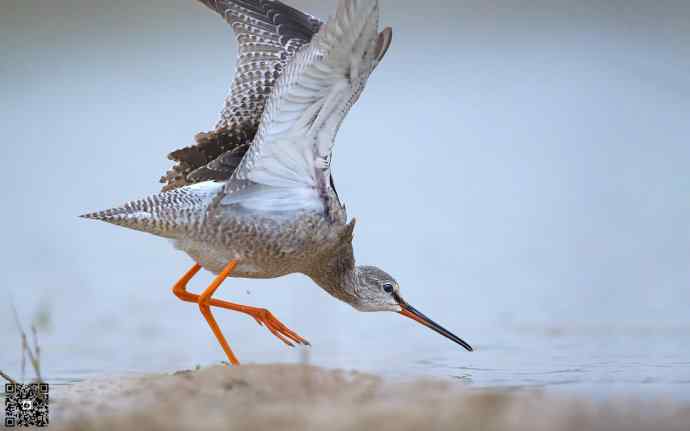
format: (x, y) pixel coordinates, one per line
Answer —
(255, 198)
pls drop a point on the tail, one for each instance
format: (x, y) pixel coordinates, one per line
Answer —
(142, 215)
(166, 214)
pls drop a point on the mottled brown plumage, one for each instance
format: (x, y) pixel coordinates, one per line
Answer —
(215, 156)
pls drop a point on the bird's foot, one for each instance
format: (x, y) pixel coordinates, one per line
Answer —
(277, 328)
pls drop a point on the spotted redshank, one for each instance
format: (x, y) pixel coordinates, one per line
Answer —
(255, 197)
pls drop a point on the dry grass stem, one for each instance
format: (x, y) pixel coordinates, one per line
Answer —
(28, 351)
(8, 378)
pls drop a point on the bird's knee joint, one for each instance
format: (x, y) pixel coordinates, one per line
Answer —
(179, 293)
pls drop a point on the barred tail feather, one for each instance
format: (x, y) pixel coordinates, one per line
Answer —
(167, 214)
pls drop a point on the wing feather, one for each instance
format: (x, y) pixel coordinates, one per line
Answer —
(311, 98)
(269, 33)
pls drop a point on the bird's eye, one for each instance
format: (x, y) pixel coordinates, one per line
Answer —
(388, 288)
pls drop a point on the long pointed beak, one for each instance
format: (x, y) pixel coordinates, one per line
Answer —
(416, 315)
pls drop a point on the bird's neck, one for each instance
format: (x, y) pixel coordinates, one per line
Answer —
(339, 276)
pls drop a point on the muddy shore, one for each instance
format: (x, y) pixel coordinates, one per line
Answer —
(272, 397)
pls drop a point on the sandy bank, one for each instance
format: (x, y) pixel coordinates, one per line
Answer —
(282, 397)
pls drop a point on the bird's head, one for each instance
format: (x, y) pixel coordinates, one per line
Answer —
(376, 290)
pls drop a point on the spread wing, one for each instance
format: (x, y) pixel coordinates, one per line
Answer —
(292, 149)
(268, 33)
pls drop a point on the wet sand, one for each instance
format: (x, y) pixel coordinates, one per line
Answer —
(274, 397)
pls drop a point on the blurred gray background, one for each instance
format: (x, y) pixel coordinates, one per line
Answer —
(520, 167)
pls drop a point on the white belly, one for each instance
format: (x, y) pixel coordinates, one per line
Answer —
(215, 261)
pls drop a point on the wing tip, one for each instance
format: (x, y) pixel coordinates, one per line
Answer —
(383, 43)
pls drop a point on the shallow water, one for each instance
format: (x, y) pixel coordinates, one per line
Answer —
(600, 362)
(522, 171)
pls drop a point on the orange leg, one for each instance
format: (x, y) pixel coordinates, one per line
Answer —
(205, 300)
(206, 310)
